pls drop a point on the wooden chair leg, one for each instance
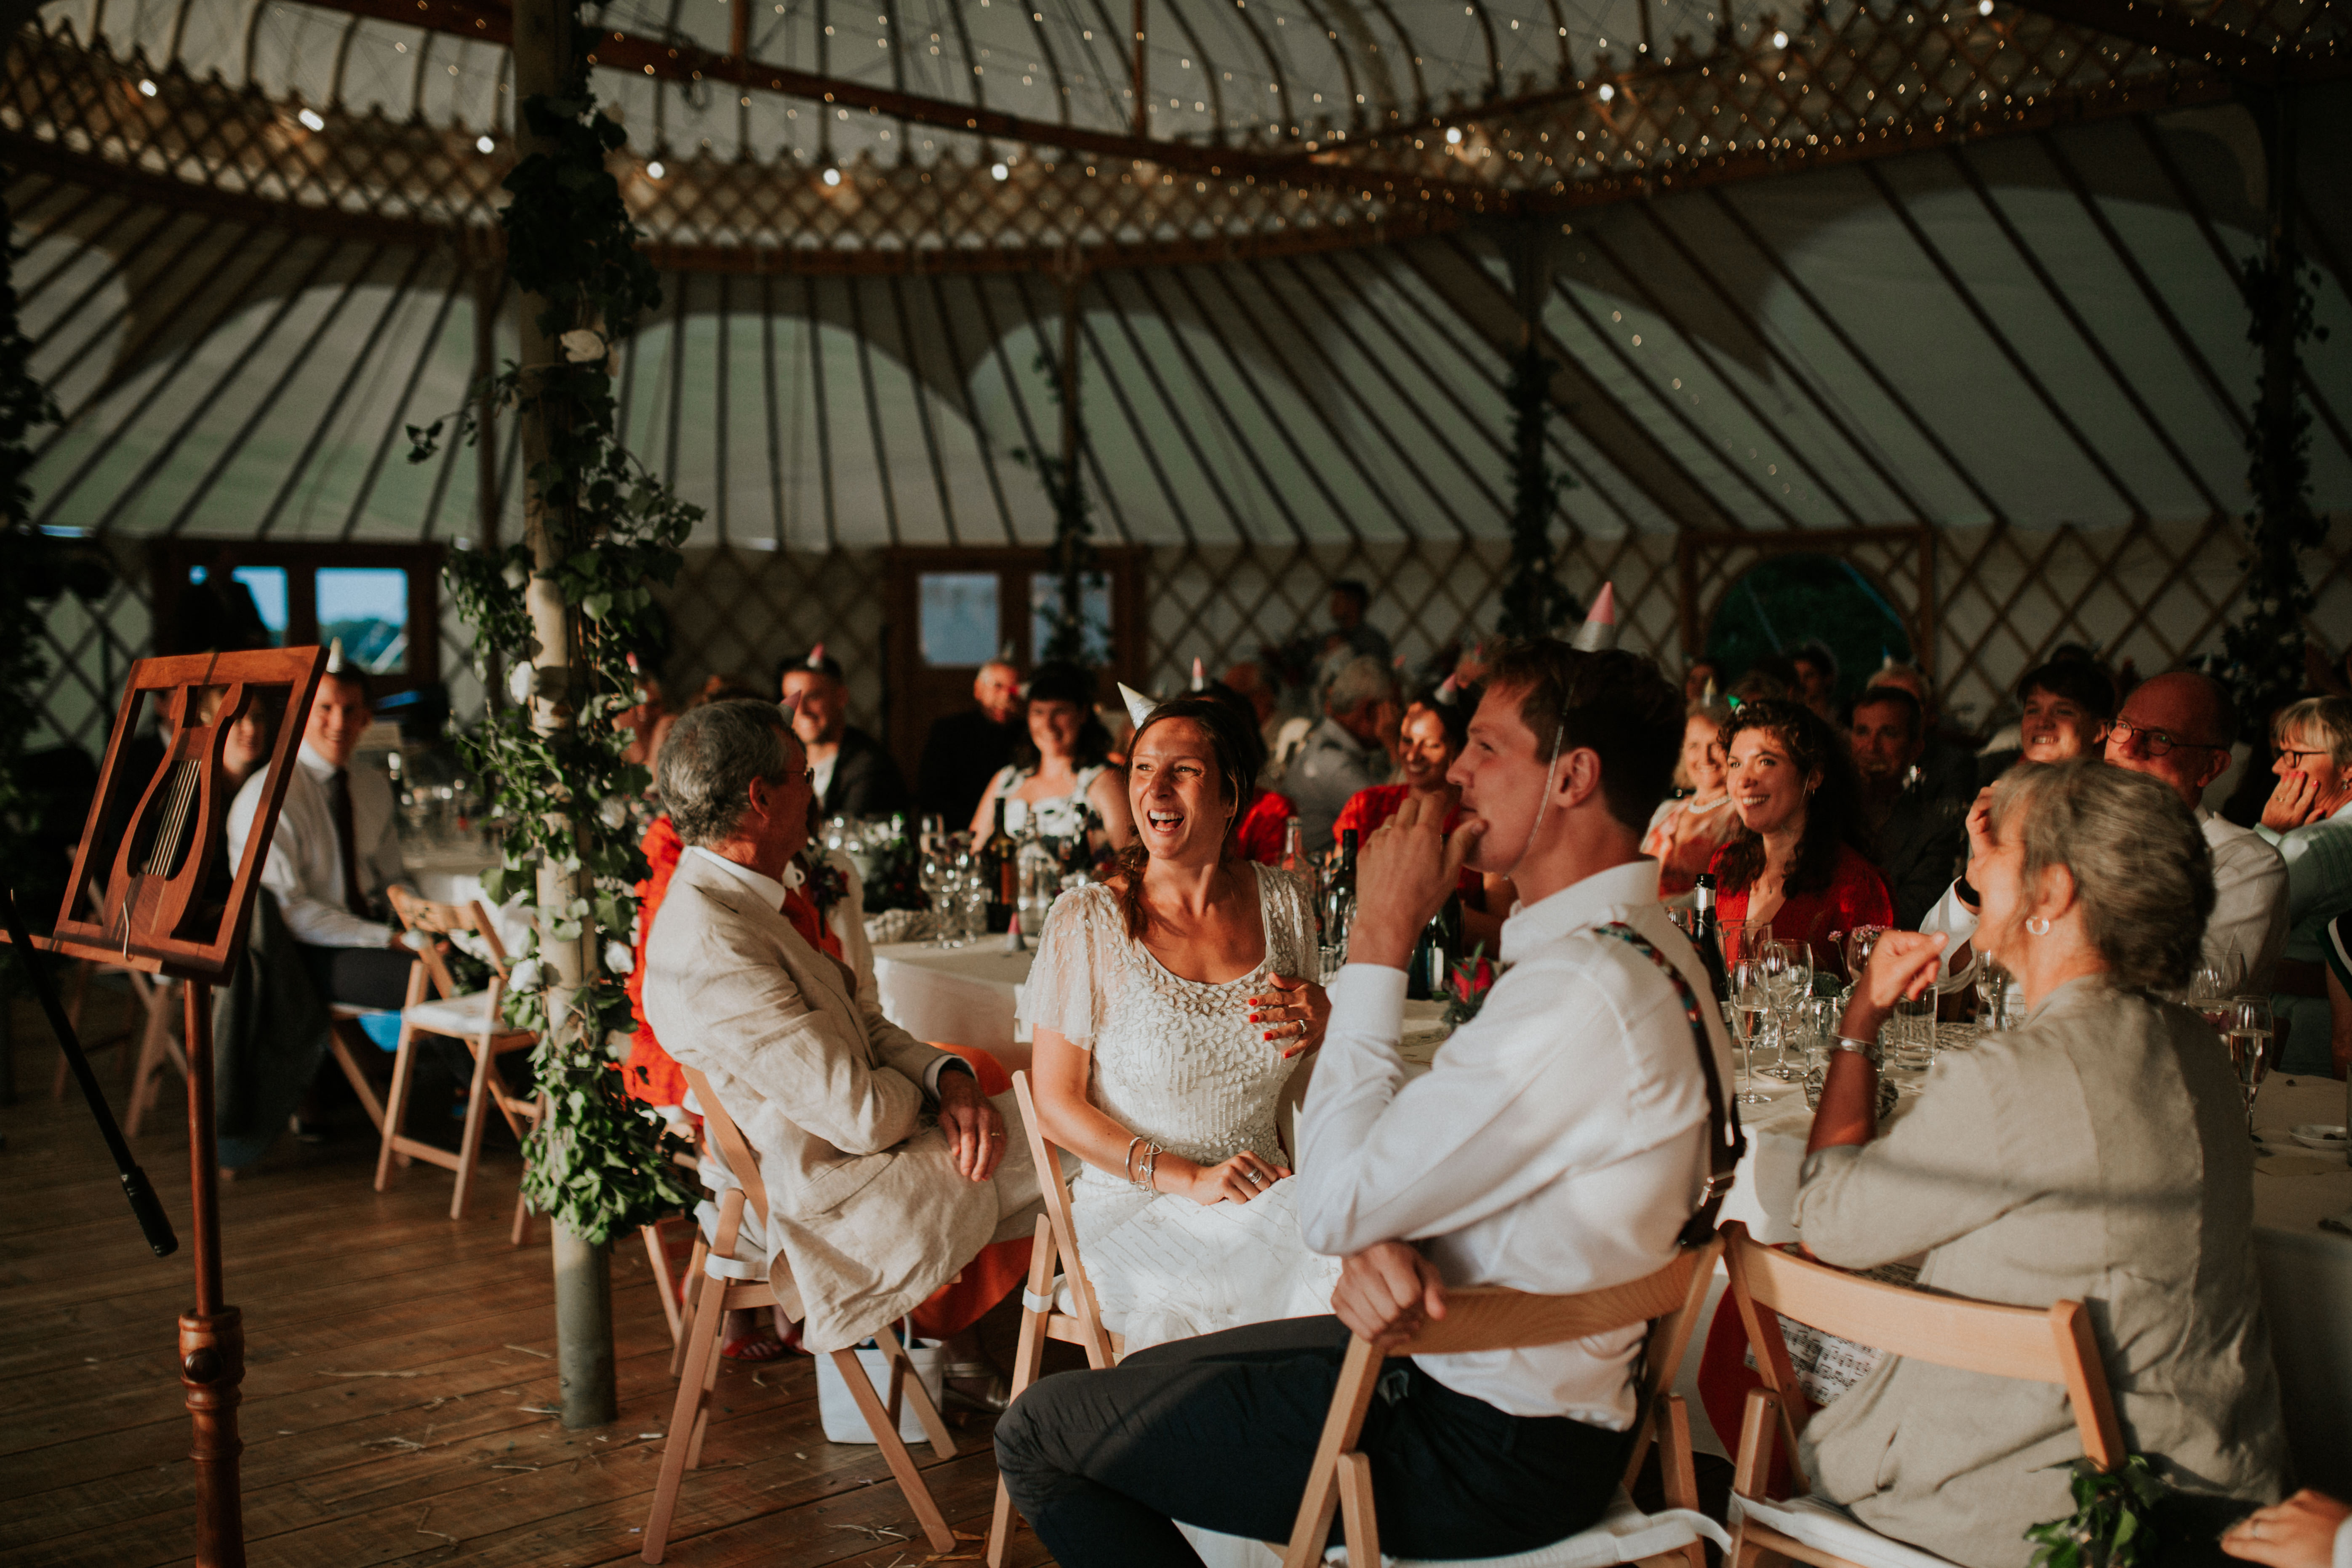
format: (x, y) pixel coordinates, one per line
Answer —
(1028, 1349)
(1675, 1471)
(395, 1111)
(663, 1282)
(1357, 1517)
(157, 1050)
(340, 1046)
(886, 1436)
(696, 1282)
(1359, 1375)
(709, 1380)
(701, 1345)
(470, 1146)
(894, 1349)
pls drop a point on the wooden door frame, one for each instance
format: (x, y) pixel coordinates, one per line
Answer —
(1695, 549)
(903, 566)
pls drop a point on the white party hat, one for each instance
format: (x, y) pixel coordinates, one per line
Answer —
(1139, 706)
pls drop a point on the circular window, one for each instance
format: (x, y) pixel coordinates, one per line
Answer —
(1783, 602)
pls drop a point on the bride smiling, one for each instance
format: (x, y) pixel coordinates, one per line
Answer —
(1168, 1016)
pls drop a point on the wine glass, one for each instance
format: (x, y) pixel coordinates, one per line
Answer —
(1788, 973)
(932, 875)
(1992, 987)
(2210, 993)
(1751, 999)
(2248, 1031)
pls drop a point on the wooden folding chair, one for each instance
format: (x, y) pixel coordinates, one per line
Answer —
(1491, 1318)
(1054, 1247)
(736, 1281)
(157, 999)
(2053, 1344)
(473, 1017)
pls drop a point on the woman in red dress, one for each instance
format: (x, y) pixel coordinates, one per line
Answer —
(1436, 728)
(1800, 857)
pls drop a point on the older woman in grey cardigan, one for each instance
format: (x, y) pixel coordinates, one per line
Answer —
(2098, 1154)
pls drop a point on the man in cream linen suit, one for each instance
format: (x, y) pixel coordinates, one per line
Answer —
(886, 1171)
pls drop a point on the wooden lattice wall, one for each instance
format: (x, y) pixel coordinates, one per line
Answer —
(2153, 594)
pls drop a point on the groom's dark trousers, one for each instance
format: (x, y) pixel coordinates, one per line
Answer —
(1219, 1432)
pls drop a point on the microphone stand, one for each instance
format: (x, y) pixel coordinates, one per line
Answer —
(144, 1204)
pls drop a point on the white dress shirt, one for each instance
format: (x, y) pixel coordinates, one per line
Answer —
(858, 955)
(304, 866)
(1557, 1145)
(2250, 898)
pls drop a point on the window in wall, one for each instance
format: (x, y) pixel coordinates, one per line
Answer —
(958, 613)
(1784, 601)
(367, 607)
(381, 600)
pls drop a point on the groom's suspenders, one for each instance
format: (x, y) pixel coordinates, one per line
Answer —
(1725, 1143)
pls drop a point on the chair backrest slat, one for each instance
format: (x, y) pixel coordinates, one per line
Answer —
(728, 1140)
(2050, 1344)
(1972, 1336)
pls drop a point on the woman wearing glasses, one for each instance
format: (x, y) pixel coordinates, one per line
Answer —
(2309, 819)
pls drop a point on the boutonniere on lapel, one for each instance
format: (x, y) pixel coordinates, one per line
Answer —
(827, 883)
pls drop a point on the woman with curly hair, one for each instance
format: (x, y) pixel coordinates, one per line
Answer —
(1800, 857)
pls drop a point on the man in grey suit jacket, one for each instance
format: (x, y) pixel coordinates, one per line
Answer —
(886, 1171)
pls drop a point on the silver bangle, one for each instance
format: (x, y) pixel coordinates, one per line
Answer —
(1127, 1166)
(1868, 1050)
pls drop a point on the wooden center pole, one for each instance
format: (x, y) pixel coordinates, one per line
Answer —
(212, 1336)
(583, 1295)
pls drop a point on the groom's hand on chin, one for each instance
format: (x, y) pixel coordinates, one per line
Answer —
(1386, 1292)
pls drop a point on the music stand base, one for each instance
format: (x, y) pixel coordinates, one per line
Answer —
(212, 1366)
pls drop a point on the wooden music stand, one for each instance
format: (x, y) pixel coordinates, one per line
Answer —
(146, 908)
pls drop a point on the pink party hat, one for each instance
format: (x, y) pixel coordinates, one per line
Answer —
(1599, 631)
(1200, 676)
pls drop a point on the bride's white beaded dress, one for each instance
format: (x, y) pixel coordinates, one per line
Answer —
(1178, 1061)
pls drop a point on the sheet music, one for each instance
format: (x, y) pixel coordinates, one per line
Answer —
(1827, 1367)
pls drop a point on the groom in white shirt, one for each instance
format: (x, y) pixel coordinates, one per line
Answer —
(1560, 1144)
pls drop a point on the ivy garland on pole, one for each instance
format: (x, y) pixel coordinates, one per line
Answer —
(1535, 601)
(600, 1164)
(2263, 651)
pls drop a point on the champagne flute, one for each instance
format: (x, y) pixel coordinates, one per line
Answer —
(2248, 1031)
(1750, 1000)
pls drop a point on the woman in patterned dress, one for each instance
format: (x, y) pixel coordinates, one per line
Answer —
(1168, 1013)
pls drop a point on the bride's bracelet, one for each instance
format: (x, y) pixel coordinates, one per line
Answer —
(1152, 1153)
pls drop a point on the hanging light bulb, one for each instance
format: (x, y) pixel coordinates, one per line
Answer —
(654, 171)
(147, 87)
(1779, 40)
(1000, 171)
(484, 144)
(310, 117)
(1454, 136)
(832, 176)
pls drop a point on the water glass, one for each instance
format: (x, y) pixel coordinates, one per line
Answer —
(1910, 1042)
(1992, 988)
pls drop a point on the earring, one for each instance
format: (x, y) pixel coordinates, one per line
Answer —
(2037, 925)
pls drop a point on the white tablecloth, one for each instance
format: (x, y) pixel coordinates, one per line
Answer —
(957, 996)
(2306, 1270)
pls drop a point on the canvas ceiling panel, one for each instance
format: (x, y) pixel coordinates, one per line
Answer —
(294, 54)
(380, 69)
(890, 404)
(2034, 325)
(1809, 339)
(866, 494)
(1852, 250)
(741, 501)
(1630, 353)
(683, 447)
(400, 499)
(1715, 350)
(150, 461)
(77, 314)
(460, 83)
(1415, 432)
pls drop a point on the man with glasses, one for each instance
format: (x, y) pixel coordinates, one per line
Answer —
(2177, 729)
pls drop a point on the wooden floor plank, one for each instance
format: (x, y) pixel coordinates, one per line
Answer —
(458, 1457)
